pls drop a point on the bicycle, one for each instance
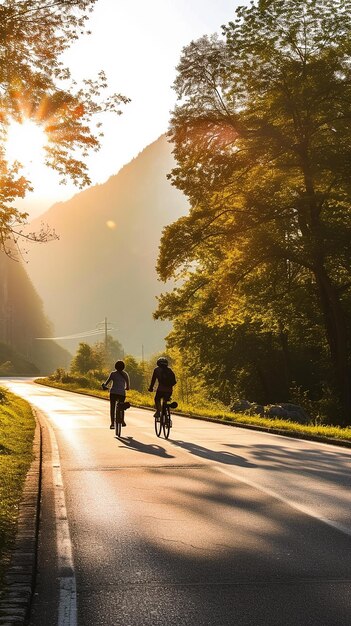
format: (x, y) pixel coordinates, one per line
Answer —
(164, 422)
(120, 407)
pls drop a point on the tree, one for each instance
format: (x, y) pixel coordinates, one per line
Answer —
(85, 359)
(35, 85)
(262, 140)
(107, 352)
(135, 371)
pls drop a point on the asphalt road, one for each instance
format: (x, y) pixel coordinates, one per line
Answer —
(218, 525)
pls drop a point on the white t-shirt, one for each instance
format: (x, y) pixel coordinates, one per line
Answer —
(120, 382)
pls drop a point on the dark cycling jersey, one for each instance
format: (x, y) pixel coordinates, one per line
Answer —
(165, 377)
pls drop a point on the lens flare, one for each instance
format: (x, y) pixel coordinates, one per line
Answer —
(111, 224)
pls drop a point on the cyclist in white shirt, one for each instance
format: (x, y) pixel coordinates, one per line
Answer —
(120, 384)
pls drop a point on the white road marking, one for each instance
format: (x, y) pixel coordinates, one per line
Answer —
(67, 610)
(273, 494)
(294, 505)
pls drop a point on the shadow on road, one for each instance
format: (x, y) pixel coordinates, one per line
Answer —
(204, 549)
(328, 464)
(228, 458)
(138, 446)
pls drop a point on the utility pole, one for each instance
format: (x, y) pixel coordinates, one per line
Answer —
(10, 325)
(143, 367)
(106, 334)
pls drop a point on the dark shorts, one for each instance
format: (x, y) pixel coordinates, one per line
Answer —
(163, 394)
(115, 397)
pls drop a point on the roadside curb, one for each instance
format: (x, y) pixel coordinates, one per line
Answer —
(16, 597)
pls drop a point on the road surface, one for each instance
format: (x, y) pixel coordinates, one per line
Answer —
(218, 525)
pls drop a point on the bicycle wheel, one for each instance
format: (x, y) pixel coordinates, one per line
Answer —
(158, 426)
(167, 422)
(118, 420)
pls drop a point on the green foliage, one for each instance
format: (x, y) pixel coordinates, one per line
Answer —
(16, 438)
(108, 352)
(35, 85)
(325, 410)
(262, 140)
(58, 374)
(91, 380)
(86, 359)
(96, 359)
(136, 372)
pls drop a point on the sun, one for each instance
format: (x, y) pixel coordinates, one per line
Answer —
(25, 143)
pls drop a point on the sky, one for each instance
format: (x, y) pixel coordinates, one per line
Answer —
(138, 44)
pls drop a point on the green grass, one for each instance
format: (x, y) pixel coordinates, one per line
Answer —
(334, 433)
(17, 426)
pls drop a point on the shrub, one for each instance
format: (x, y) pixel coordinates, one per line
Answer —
(4, 399)
(58, 374)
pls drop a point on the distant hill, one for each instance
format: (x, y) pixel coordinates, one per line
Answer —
(14, 364)
(104, 262)
(22, 320)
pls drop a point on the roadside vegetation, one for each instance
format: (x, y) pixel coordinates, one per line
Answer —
(88, 371)
(17, 426)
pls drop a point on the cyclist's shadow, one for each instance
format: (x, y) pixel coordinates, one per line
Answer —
(138, 446)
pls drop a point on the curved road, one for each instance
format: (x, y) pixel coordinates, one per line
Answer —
(218, 525)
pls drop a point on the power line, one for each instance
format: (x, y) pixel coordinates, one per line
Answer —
(89, 333)
(75, 336)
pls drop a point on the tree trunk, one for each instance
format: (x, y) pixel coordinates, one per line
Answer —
(336, 328)
(284, 344)
(337, 335)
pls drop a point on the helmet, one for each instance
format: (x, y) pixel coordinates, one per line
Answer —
(162, 361)
(119, 365)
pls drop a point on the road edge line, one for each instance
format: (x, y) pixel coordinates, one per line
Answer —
(67, 608)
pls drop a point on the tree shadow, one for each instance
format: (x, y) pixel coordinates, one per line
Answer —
(216, 552)
(223, 456)
(330, 465)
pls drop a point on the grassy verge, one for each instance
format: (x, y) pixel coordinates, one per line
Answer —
(333, 433)
(17, 426)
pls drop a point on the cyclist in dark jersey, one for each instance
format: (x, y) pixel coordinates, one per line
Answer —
(120, 384)
(166, 380)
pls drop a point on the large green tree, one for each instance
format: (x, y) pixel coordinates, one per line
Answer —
(262, 136)
(35, 85)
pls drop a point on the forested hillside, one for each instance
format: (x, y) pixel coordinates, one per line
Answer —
(103, 264)
(22, 321)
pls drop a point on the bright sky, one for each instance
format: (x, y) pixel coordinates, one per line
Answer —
(138, 44)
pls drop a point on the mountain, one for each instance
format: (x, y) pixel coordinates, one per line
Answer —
(13, 363)
(22, 320)
(103, 264)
